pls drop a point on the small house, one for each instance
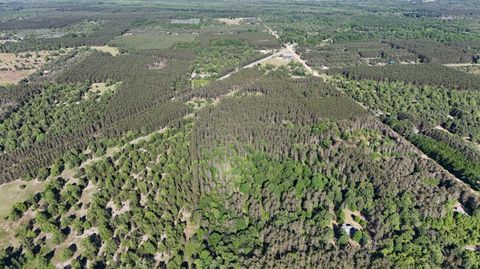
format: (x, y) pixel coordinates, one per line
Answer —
(458, 208)
(348, 228)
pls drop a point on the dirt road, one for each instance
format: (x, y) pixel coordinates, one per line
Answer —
(291, 49)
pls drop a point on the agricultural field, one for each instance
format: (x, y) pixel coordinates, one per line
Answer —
(239, 134)
(151, 40)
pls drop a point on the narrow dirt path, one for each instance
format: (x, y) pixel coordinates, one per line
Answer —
(315, 73)
(250, 65)
(461, 65)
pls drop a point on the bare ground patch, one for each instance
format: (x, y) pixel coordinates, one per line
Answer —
(16, 66)
(275, 61)
(13, 76)
(237, 21)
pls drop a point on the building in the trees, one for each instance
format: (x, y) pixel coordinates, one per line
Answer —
(348, 228)
(458, 208)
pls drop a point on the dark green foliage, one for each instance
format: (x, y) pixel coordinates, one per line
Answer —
(450, 158)
(429, 51)
(469, 150)
(425, 109)
(142, 102)
(58, 109)
(340, 55)
(256, 39)
(221, 56)
(419, 74)
(259, 169)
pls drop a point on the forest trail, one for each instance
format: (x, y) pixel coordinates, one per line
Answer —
(287, 49)
(315, 73)
(250, 65)
(290, 49)
(461, 65)
(466, 139)
(112, 150)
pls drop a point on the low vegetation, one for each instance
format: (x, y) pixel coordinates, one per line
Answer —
(151, 40)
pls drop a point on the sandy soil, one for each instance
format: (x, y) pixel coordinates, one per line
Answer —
(16, 66)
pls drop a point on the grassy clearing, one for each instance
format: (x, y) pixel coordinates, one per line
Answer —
(107, 49)
(110, 152)
(225, 28)
(13, 77)
(16, 66)
(27, 60)
(275, 61)
(12, 193)
(472, 69)
(349, 218)
(238, 21)
(198, 83)
(145, 41)
(228, 21)
(98, 89)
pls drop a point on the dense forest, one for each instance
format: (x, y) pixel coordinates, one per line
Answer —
(246, 134)
(430, 74)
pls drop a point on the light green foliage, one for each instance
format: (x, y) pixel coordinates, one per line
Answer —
(427, 105)
(151, 40)
(223, 55)
(58, 109)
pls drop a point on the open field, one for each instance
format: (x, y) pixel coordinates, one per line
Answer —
(156, 40)
(17, 66)
(237, 21)
(107, 49)
(471, 68)
(98, 89)
(275, 61)
(13, 76)
(17, 191)
(27, 60)
(12, 193)
(229, 21)
(199, 82)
